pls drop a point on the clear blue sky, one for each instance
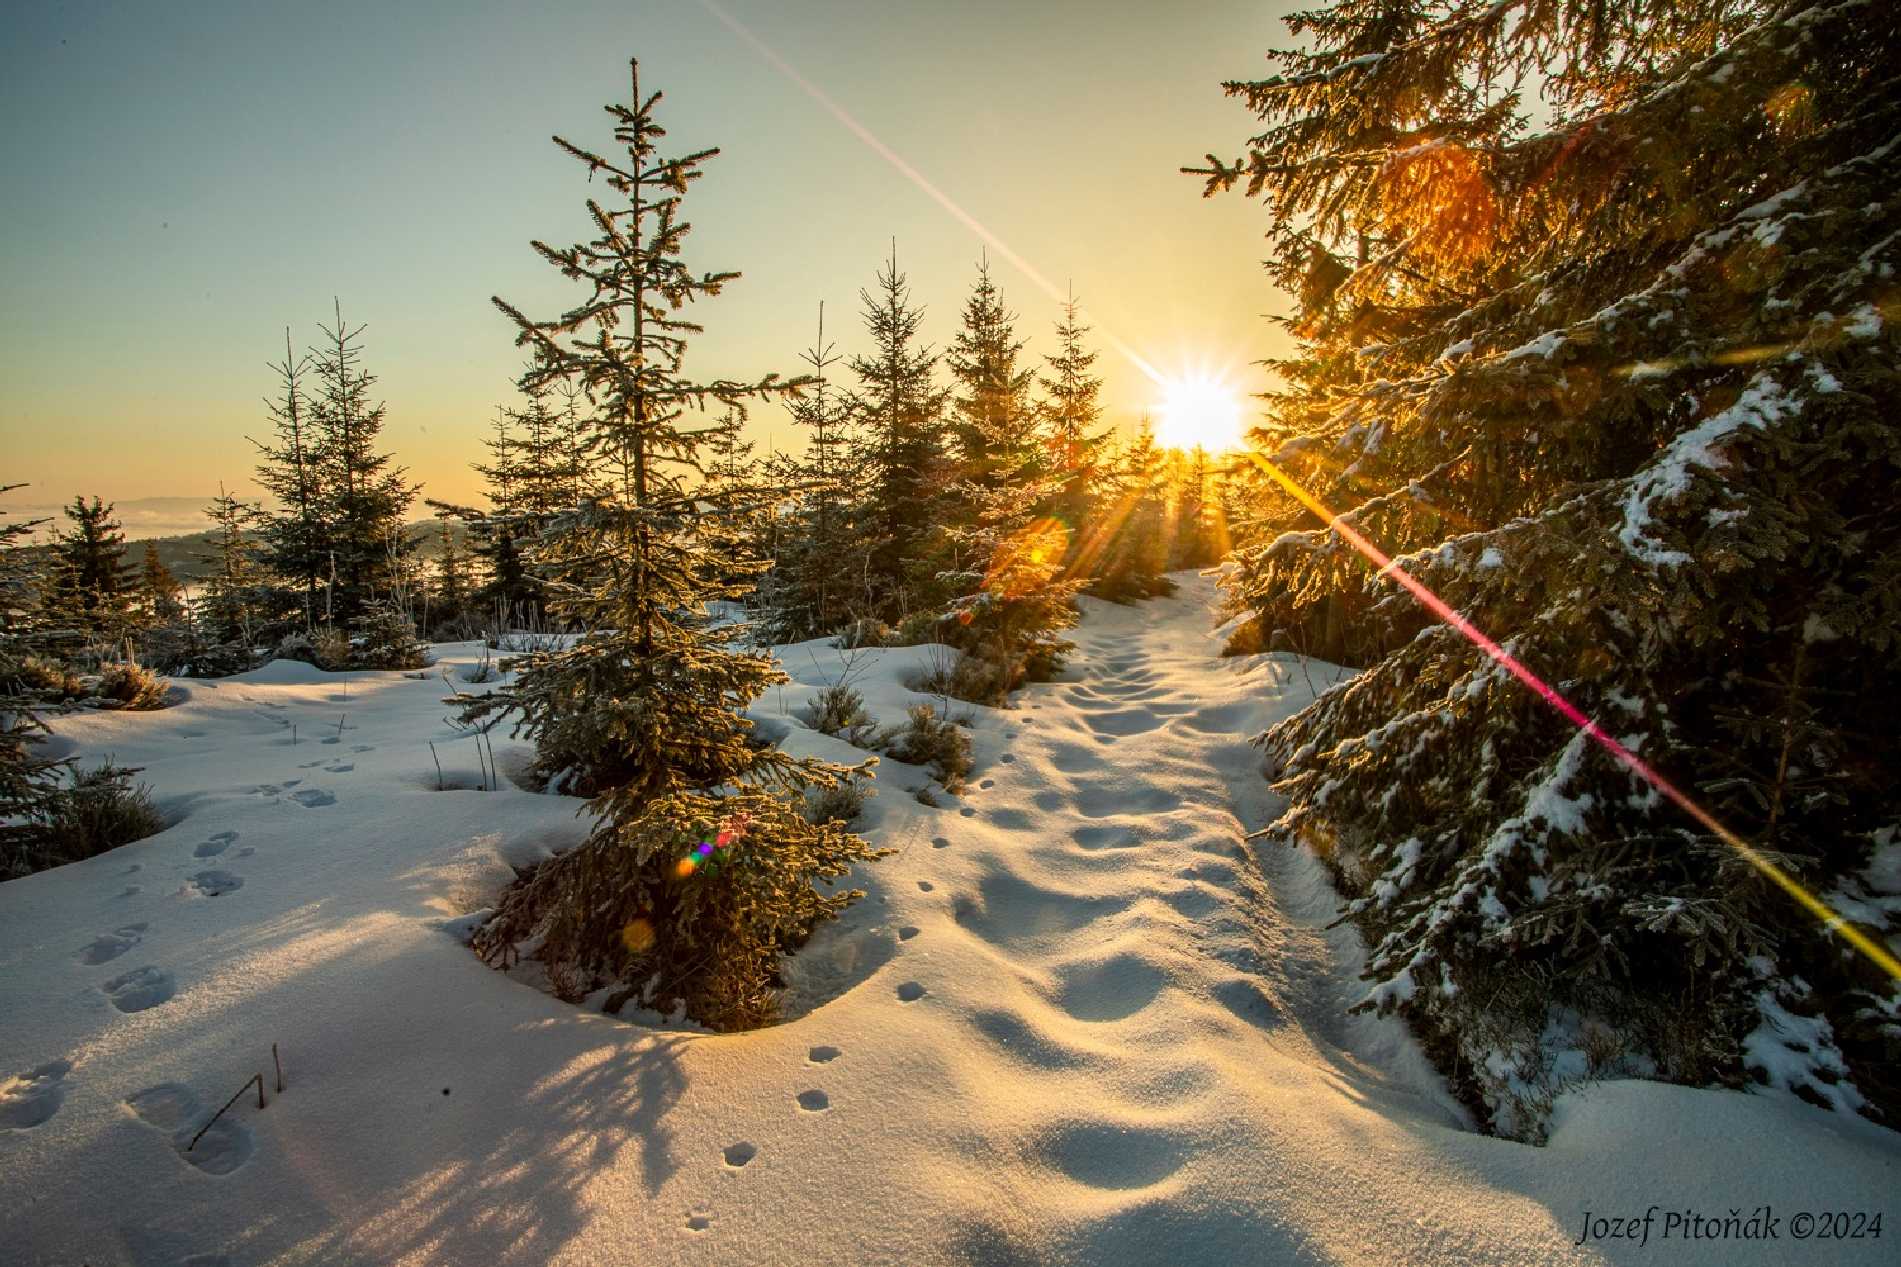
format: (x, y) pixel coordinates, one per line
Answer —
(183, 180)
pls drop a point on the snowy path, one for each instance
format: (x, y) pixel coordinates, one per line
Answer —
(1076, 1021)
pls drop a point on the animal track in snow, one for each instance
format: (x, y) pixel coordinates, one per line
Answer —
(938, 842)
(174, 1110)
(215, 883)
(129, 890)
(910, 992)
(822, 1055)
(907, 932)
(925, 886)
(109, 946)
(339, 768)
(1008, 758)
(313, 798)
(987, 784)
(29, 1098)
(363, 747)
(698, 1222)
(737, 1155)
(967, 812)
(246, 852)
(814, 1101)
(139, 989)
(216, 845)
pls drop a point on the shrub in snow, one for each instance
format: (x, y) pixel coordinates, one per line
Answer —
(841, 804)
(386, 639)
(837, 709)
(221, 659)
(330, 648)
(48, 679)
(96, 810)
(929, 740)
(131, 685)
(1647, 435)
(916, 629)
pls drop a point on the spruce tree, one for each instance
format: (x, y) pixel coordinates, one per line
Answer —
(234, 603)
(295, 540)
(1619, 387)
(159, 591)
(28, 780)
(813, 571)
(452, 591)
(993, 421)
(1071, 413)
(364, 499)
(93, 584)
(1125, 546)
(641, 713)
(900, 409)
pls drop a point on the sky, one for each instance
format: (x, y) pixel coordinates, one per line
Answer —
(185, 180)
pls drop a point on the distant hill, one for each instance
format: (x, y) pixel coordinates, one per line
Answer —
(181, 553)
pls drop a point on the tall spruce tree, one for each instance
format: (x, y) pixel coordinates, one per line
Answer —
(642, 711)
(1071, 413)
(1620, 386)
(92, 583)
(900, 409)
(1005, 568)
(296, 539)
(364, 499)
(993, 420)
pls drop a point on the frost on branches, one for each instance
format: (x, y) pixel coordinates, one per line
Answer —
(1624, 393)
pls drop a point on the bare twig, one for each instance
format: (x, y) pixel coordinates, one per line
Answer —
(280, 1069)
(257, 1078)
(438, 760)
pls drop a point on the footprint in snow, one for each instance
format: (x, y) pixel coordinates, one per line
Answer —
(987, 784)
(737, 1155)
(312, 798)
(139, 989)
(246, 852)
(312, 765)
(698, 1222)
(109, 946)
(823, 1055)
(814, 1101)
(910, 992)
(129, 890)
(907, 932)
(339, 768)
(938, 842)
(1008, 758)
(216, 845)
(968, 812)
(215, 883)
(331, 739)
(925, 886)
(363, 747)
(29, 1098)
(134, 867)
(173, 1109)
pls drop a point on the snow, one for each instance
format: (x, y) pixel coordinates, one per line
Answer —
(1078, 1019)
(1668, 476)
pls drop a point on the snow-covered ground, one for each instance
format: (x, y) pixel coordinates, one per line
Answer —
(1077, 1020)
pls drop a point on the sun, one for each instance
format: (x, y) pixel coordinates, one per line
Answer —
(1199, 413)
